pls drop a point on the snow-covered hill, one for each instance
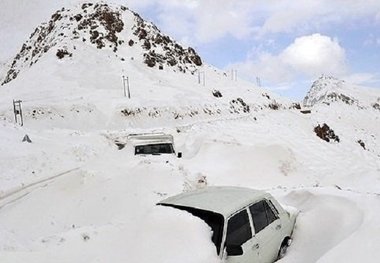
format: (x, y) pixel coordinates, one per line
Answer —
(328, 90)
(71, 195)
(105, 27)
(83, 53)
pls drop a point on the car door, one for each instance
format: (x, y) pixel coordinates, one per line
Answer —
(267, 227)
(239, 234)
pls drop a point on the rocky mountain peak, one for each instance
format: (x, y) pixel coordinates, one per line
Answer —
(103, 27)
(327, 89)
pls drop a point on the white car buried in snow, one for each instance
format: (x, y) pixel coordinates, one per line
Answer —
(248, 225)
(152, 144)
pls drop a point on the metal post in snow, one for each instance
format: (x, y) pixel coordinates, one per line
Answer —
(22, 118)
(258, 81)
(14, 110)
(125, 95)
(203, 77)
(234, 74)
(129, 92)
(125, 92)
(18, 111)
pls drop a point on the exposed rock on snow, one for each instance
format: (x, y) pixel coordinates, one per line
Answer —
(26, 139)
(274, 105)
(238, 105)
(61, 53)
(362, 144)
(295, 105)
(376, 106)
(217, 94)
(326, 133)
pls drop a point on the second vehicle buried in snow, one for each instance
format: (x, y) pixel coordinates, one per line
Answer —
(152, 144)
(248, 225)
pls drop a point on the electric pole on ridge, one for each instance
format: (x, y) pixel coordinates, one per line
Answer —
(126, 80)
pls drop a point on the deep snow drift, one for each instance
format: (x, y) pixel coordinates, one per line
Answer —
(72, 196)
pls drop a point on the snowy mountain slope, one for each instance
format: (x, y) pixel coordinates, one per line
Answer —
(72, 196)
(83, 53)
(3, 70)
(18, 19)
(105, 27)
(352, 111)
(329, 90)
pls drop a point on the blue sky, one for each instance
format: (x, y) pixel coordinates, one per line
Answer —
(287, 43)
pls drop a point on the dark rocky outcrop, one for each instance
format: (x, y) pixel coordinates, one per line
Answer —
(362, 144)
(238, 105)
(326, 133)
(61, 53)
(217, 94)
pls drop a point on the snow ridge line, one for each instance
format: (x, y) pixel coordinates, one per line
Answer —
(22, 191)
(313, 187)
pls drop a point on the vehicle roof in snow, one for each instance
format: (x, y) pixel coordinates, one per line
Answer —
(150, 138)
(224, 200)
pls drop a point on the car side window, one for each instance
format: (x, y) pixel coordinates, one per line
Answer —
(274, 208)
(270, 214)
(238, 229)
(259, 216)
(262, 215)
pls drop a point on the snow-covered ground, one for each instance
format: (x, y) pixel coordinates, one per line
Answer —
(72, 196)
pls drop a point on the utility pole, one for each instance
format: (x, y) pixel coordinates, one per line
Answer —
(234, 74)
(258, 81)
(126, 80)
(18, 111)
(203, 79)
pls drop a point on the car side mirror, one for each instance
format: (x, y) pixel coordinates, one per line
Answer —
(179, 155)
(234, 250)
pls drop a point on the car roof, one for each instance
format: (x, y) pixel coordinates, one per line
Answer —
(224, 200)
(150, 138)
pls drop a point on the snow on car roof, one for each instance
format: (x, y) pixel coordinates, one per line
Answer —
(150, 138)
(224, 200)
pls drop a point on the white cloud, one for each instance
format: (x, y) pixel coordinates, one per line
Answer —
(206, 20)
(298, 16)
(210, 20)
(362, 78)
(267, 67)
(215, 19)
(371, 40)
(308, 56)
(314, 55)
(289, 15)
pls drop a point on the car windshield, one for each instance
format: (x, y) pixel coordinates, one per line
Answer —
(214, 220)
(162, 148)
